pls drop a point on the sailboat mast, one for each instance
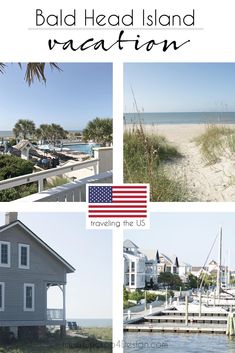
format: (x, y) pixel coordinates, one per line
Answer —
(218, 284)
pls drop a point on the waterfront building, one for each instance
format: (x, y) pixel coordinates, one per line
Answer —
(134, 266)
(29, 268)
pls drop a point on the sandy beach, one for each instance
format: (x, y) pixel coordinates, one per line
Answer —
(207, 182)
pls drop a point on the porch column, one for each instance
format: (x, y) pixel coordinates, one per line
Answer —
(64, 305)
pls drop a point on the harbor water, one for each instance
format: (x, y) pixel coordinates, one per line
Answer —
(178, 343)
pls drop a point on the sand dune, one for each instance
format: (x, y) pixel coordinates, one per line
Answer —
(208, 183)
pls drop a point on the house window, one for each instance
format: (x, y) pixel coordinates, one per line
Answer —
(24, 256)
(4, 254)
(132, 266)
(133, 280)
(2, 296)
(28, 297)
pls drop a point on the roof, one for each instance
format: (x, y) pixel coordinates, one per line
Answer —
(68, 267)
(129, 244)
(22, 144)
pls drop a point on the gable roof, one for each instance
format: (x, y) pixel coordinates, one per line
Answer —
(129, 244)
(68, 267)
(22, 144)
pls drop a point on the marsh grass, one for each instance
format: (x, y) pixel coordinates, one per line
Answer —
(144, 157)
(216, 142)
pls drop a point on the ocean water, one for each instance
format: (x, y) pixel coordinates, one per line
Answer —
(177, 343)
(93, 322)
(181, 118)
(6, 133)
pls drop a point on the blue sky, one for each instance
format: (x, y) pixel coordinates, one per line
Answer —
(89, 289)
(188, 235)
(81, 92)
(179, 87)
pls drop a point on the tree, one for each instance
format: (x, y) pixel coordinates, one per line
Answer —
(24, 128)
(192, 281)
(170, 280)
(207, 280)
(51, 133)
(99, 130)
(33, 71)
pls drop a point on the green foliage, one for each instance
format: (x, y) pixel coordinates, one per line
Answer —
(216, 142)
(136, 295)
(170, 280)
(51, 133)
(12, 166)
(12, 142)
(33, 71)
(125, 294)
(207, 280)
(58, 181)
(24, 128)
(99, 130)
(192, 281)
(151, 297)
(144, 158)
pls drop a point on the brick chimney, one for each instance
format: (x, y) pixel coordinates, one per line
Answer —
(10, 217)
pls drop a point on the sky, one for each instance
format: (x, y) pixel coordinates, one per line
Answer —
(188, 235)
(71, 98)
(89, 288)
(179, 87)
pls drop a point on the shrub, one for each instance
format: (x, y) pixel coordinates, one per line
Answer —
(12, 166)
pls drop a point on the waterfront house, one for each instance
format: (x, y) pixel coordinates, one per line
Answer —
(28, 269)
(134, 266)
(167, 264)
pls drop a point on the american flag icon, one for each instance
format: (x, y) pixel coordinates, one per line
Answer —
(123, 201)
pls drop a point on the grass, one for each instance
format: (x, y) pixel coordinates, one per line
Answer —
(57, 181)
(216, 142)
(55, 344)
(144, 157)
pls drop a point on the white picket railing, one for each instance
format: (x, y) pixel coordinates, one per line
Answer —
(71, 192)
(55, 314)
(39, 177)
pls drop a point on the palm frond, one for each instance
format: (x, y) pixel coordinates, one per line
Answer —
(37, 70)
(2, 67)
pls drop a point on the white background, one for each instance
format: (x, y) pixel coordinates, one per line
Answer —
(214, 42)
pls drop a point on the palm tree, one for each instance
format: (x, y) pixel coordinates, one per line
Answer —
(99, 130)
(24, 128)
(52, 133)
(33, 71)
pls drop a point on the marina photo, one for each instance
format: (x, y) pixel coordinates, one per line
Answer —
(183, 299)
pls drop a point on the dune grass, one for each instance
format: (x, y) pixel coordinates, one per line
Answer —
(69, 344)
(144, 157)
(216, 142)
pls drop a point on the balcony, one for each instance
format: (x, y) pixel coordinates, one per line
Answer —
(55, 314)
(98, 169)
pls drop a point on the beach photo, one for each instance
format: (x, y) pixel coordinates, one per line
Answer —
(55, 130)
(55, 286)
(179, 132)
(179, 293)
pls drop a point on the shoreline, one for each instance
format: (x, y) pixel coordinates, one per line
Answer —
(175, 133)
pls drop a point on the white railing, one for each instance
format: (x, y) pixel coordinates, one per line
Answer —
(55, 314)
(39, 177)
(72, 192)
